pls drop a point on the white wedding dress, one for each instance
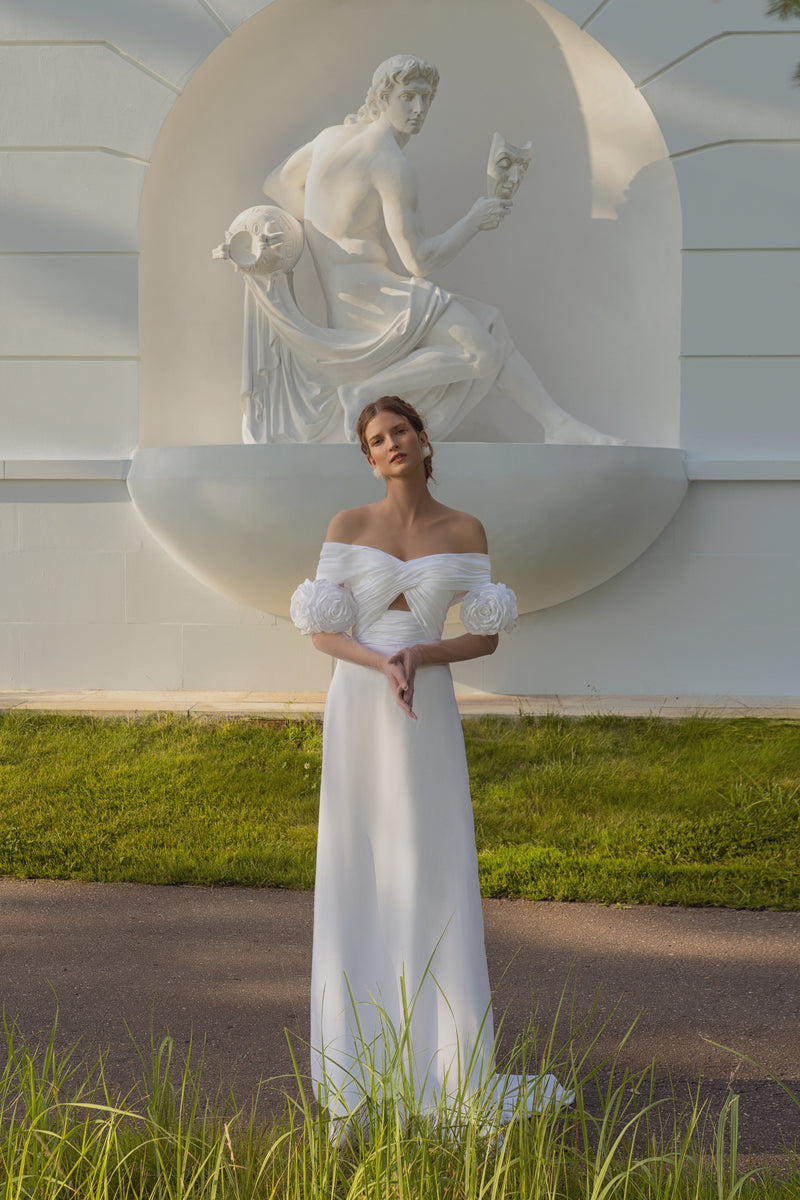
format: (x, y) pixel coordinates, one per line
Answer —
(398, 928)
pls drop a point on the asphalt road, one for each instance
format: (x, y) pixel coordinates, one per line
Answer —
(230, 968)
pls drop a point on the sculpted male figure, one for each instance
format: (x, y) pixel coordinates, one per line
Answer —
(356, 193)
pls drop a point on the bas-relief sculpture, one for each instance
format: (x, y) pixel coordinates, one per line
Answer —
(245, 519)
(355, 193)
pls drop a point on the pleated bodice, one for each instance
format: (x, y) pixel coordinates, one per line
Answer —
(430, 584)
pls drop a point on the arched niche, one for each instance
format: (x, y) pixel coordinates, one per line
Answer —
(586, 270)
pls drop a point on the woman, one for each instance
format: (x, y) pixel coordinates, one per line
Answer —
(398, 930)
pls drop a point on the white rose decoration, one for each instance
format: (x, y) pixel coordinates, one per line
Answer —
(320, 606)
(490, 609)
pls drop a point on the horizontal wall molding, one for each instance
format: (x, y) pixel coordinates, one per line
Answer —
(698, 469)
(17, 469)
(743, 470)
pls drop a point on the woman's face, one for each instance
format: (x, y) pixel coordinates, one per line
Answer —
(394, 445)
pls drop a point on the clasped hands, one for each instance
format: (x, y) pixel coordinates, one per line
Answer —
(400, 669)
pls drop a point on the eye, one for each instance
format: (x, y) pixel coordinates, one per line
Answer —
(504, 163)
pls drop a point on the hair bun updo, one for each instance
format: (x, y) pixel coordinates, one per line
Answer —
(397, 405)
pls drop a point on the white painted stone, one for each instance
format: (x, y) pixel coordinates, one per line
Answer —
(169, 37)
(257, 658)
(234, 12)
(374, 262)
(669, 624)
(752, 470)
(84, 96)
(62, 585)
(739, 88)
(9, 523)
(10, 657)
(467, 676)
(94, 518)
(741, 302)
(741, 407)
(560, 519)
(751, 521)
(100, 655)
(577, 10)
(740, 196)
(647, 35)
(69, 200)
(72, 304)
(68, 408)
(158, 590)
(587, 259)
(59, 470)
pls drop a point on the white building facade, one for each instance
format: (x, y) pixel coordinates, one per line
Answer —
(118, 116)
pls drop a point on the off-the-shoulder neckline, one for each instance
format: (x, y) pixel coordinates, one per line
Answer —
(419, 558)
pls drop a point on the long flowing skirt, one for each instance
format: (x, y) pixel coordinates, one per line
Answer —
(398, 927)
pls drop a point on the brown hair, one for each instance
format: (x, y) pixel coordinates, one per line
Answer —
(403, 409)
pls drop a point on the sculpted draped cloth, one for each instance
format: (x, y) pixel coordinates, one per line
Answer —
(295, 374)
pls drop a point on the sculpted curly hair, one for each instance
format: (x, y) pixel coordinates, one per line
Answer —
(399, 69)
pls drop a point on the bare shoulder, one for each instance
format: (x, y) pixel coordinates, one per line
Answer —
(348, 525)
(466, 533)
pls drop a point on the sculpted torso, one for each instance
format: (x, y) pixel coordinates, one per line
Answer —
(350, 174)
(356, 194)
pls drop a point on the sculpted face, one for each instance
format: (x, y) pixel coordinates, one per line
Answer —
(406, 106)
(506, 167)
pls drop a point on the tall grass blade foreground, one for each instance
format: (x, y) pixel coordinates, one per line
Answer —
(65, 1134)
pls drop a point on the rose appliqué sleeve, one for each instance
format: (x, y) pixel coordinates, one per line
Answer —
(322, 606)
(490, 608)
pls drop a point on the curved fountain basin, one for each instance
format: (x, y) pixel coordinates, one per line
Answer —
(248, 520)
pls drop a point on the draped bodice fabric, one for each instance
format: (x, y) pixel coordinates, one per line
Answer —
(430, 584)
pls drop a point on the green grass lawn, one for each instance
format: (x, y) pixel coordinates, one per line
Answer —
(617, 810)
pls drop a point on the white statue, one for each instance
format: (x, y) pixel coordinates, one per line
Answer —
(506, 168)
(388, 332)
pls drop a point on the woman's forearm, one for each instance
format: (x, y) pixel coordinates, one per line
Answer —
(341, 645)
(457, 649)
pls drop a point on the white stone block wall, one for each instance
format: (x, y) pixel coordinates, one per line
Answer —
(88, 600)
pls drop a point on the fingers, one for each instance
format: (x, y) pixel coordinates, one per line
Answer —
(400, 673)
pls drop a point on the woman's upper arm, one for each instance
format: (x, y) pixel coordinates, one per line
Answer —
(344, 527)
(473, 536)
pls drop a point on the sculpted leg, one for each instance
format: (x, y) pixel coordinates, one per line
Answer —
(519, 380)
(455, 348)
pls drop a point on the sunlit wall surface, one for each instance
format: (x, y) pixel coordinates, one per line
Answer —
(87, 599)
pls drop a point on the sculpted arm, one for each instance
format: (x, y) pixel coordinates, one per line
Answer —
(420, 254)
(286, 185)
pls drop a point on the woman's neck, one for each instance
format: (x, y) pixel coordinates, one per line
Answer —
(408, 501)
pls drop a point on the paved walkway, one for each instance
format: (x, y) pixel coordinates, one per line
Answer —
(285, 704)
(231, 967)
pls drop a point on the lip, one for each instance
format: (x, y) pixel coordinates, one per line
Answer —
(397, 458)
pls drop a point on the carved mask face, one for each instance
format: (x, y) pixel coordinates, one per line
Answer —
(506, 167)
